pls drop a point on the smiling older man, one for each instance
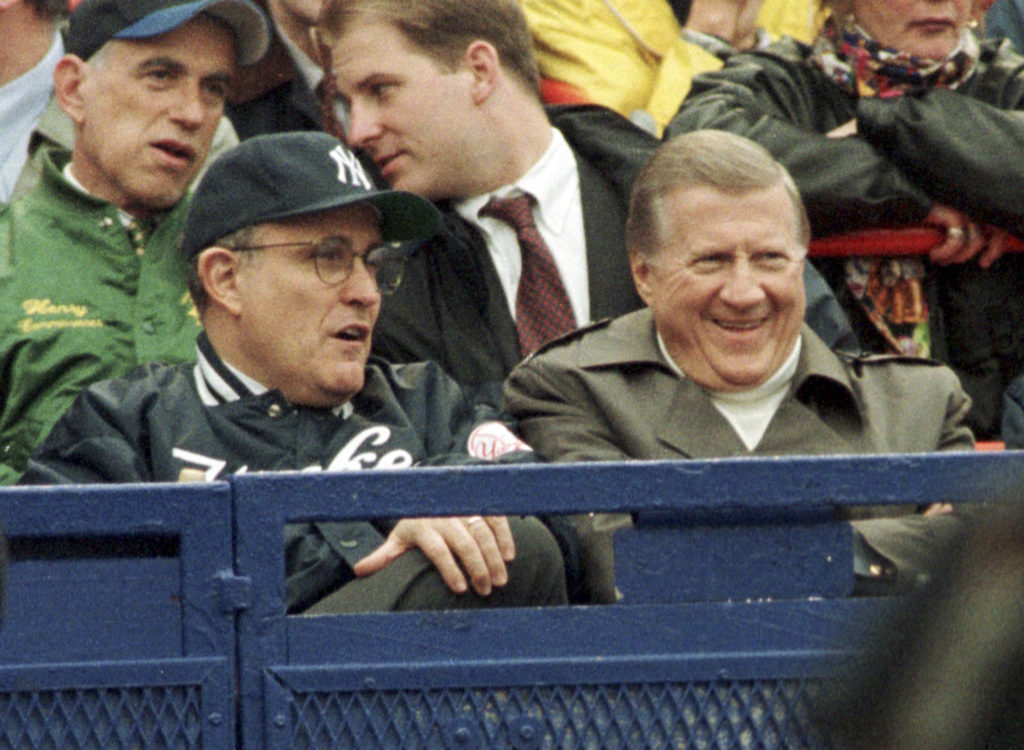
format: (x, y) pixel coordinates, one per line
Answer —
(290, 250)
(720, 363)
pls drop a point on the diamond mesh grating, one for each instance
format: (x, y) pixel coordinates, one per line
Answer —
(749, 714)
(102, 718)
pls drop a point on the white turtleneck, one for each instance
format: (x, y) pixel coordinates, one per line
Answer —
(749, 412)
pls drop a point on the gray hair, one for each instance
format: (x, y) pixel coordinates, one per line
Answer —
(196, 290)
(703, 158)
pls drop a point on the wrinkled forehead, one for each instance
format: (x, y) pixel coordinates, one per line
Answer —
(706, 216)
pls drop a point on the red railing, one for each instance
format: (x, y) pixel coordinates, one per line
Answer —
(915, 240)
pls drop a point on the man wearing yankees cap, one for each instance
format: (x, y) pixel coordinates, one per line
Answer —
(290, 249)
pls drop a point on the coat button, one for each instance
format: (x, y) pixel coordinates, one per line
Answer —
(274, 410)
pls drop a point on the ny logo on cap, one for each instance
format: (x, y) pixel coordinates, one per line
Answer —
(350, 171)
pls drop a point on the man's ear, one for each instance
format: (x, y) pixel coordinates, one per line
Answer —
(218, 270)
(641, 276)
(68, 77)
(482, 61)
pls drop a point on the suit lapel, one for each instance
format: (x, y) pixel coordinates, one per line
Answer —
(609, 278)
(466, 257)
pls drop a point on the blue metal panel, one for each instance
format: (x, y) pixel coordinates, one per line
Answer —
(738, 640)
(767, 714)
(758, 487)
(114, 636)
(725, 675)
(42, 593)
(671, 562)
(259, 555)
(536, 678)
(151, 704)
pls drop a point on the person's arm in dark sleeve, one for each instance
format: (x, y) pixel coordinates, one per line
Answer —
(99, 439)
(847, 183)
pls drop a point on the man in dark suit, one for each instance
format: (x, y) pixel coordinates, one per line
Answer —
(444, 98)
(279, 94)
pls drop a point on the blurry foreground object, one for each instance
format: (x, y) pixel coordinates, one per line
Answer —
(949, 670)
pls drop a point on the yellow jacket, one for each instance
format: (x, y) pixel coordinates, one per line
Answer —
(629, 55)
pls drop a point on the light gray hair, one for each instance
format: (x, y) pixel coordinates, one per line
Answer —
(703, 158)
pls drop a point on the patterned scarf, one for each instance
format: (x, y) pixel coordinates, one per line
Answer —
(889, 290)
(863, 67)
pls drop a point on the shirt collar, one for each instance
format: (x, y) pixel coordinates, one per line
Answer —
(219, 382)
(545, 181)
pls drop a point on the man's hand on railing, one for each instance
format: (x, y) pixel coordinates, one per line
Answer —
(482, 544)
(963, 236)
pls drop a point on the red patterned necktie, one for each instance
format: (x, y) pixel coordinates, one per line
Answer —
(542, 305)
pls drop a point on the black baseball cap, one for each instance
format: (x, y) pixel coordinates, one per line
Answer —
(93, 23)
(271, 177)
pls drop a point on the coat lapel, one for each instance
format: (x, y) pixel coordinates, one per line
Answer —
(821, 409)
(691, 425)
(609, 278)
(683, 417)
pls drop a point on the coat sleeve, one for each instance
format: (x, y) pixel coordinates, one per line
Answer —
(956, 435)
(100, 438)
(966, 152)
(556, 416)
(847, 183)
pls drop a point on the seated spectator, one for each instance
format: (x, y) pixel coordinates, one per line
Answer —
(91, 283)
(32, 46)
(720, 363)
(897, 115)
(31, 119)
(444, 98)
(285, 241)
(278, 95)
(637, 57)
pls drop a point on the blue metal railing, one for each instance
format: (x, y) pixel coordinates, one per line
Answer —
(153, 616)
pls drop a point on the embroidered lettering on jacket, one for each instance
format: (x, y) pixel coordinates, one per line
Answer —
(43, 314)
(348, 458)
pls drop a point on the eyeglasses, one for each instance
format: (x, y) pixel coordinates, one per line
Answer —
(334, 260)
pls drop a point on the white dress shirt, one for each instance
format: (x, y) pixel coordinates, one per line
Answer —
(22, 103)
(554, 182)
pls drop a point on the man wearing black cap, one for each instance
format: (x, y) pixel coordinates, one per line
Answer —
(285, 240)
(90, 282)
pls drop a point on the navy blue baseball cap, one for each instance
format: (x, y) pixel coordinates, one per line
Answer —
(272, 177)
(93, 23)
